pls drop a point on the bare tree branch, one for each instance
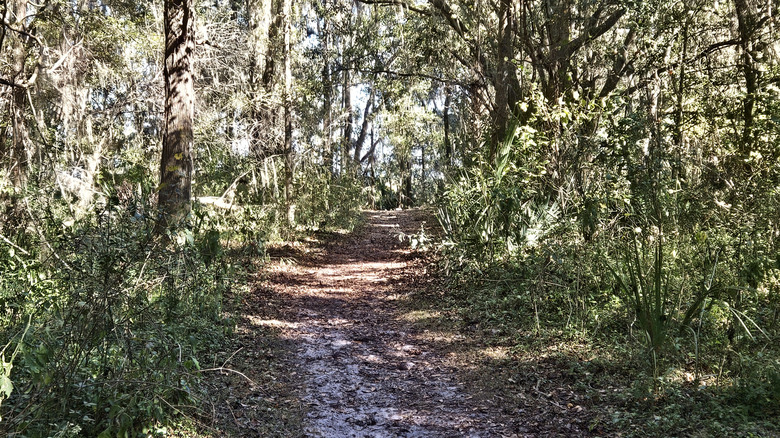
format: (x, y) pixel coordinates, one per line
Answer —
(401, 3)
(408, 75)
(8, 83)
(592, 32)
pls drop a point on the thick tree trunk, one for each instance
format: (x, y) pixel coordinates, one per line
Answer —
(556, 67)
(273, 43)
(176, 163)
(501, 81)
(371, 159)
(746, 26)
(371, 154)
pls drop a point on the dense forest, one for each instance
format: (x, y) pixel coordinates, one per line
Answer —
(604, 177)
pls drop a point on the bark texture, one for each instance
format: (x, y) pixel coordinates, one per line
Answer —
(176, 164)
(19, 133)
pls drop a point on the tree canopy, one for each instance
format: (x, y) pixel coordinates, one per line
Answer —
(618, 157)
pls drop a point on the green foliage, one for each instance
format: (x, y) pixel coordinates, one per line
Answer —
(118, 321)
(644, 281)
(327, 202)
(382, 197)
(595, 221)
(629, 116)
(494, 211)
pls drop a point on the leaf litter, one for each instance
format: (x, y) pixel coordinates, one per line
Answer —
(357, 367)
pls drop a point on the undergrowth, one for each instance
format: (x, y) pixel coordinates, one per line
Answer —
(724, 391)
(108, 321)
(110, 328)
(677, 289)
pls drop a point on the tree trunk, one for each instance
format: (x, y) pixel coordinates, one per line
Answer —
(273, 43)
(678, 112)
(257, 45)
(371, 171)
(176, 163)
(327, 93)
(346, 140)
(288, 129)
(446, 120)
(19, 133)
(19, 137)
(746, 25)
(501, 81)
(422, 168)
(364, 127)
(406, 198)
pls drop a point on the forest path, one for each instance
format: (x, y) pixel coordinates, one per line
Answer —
(361, 368)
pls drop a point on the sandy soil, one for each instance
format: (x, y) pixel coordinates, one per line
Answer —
(360, 369)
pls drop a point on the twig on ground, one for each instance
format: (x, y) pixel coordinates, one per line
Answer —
(230, 371)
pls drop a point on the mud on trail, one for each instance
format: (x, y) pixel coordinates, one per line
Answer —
(358, 368)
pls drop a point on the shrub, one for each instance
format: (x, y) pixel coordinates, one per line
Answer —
(118, 318)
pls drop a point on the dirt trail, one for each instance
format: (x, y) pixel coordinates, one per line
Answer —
(362, 370)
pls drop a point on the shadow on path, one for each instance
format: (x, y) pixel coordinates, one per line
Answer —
(361, 370)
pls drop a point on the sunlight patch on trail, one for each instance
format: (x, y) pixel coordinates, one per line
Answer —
(366, 371)
(420, 315)
(273, 323)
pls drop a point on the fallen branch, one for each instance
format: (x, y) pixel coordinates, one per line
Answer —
(230, 370)
(20, 249)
